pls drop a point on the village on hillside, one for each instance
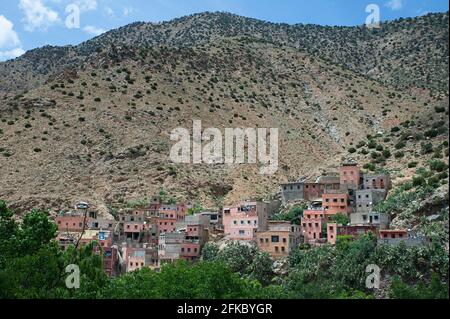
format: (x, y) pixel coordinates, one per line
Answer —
(333, 206)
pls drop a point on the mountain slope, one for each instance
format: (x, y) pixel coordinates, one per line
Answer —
(404, 53)
(95, 124)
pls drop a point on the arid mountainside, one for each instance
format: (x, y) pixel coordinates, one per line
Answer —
(92, 122)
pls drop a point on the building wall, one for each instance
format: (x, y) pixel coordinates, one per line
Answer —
(72, 223)
(331, 233)
(377, 219)
(190, 250)
(292, 192)
(166, 225)
(135, 263)
(134, 227)
(367, 198)
(312, 224)
(312, 191)
(380, 181)
(336, 203)
(240, 224)
(279, 240)
(350, 176)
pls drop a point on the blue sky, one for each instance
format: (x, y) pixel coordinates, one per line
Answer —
(27, 24)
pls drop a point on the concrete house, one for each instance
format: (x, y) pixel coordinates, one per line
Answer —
(280, 238)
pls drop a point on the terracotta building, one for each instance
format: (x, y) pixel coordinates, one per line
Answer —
(243, 220)
(334, 230)
(350, 176)
(311, 225)
(336, 202)
(280, 238)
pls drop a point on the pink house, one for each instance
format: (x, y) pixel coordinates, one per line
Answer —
(132, 230)
(70, 222)
(312, 225)
(241, 222)
(166, 221)
(190, 250)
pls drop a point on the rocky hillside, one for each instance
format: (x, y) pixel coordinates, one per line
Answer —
(93, 122)
(410, 52)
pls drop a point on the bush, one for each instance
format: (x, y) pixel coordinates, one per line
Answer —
(387, 154)
(412, 164)
(419, 181)
(438, 166)
(370, 167)
(426, 148)
(400, 145)
(399, 154)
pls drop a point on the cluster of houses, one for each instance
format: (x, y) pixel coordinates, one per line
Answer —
(143, 237)
(159, 232)
(349, 193)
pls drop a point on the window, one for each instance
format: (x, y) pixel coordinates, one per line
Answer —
(276, 248)
(284, 240)
(241, 232)
(283, 249)
(375, 217)
(275, 239)
(261, 240)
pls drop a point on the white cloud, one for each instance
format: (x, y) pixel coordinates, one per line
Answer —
(10, 46)
(11, 54)
(395, 4)
(127, 11)
(37, 15)
(8, 37)
(86, 5)
(93, 30)
(109, 12)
